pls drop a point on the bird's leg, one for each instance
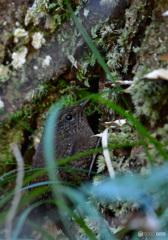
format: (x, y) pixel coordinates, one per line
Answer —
(94, 156)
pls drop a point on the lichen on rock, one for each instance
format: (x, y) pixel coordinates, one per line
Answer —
(38, 40)
(20, 33)
(19, 57)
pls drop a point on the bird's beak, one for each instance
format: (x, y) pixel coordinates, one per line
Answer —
(84, 104)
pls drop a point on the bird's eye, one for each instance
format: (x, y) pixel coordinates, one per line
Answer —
(68, 117)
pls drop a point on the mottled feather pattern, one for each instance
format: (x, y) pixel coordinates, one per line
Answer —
(72, 135)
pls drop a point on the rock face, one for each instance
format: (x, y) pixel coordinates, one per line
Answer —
(24, 54)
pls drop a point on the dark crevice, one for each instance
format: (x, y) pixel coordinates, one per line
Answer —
(94, 121)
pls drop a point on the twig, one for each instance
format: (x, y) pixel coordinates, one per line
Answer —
(17, 195)
(104, 136)
(107, 154)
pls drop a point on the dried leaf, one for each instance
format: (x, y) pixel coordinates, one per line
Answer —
(164, 57)
(160, 73)
(116, 123)
(165, 14)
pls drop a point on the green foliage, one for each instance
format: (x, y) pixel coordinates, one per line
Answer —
(68, 39)
(162, 135)
(88, 60)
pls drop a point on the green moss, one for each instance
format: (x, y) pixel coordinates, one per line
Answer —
(68, 41)
(2, 52)
(4, 73)
(120, 208)
(149, 98)
(15, 135)
(88, 60)
(58, 12)
(141, 7)
(38, 93)
(94, 227)
(12, 131)
(162, 135)
(105, 35)
(113, 59)
(155, 41)
(101, 164)
(111, 95)
(123, 38)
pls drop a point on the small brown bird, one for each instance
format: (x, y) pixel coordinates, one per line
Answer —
(73, 135)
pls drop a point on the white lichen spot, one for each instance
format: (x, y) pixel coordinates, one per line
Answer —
(36, 141)
(38, 40)
(86, 12)
(35, 67)
(18, 33)
(19, 57)
(50, 22)
(17, 24)
(3, 73)
(117, 123)
(28, 16)
(165, 14)
(37, 11)
(46, 61)
(34, 16)
(112, 3)
(2, 105)
(120, 122)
